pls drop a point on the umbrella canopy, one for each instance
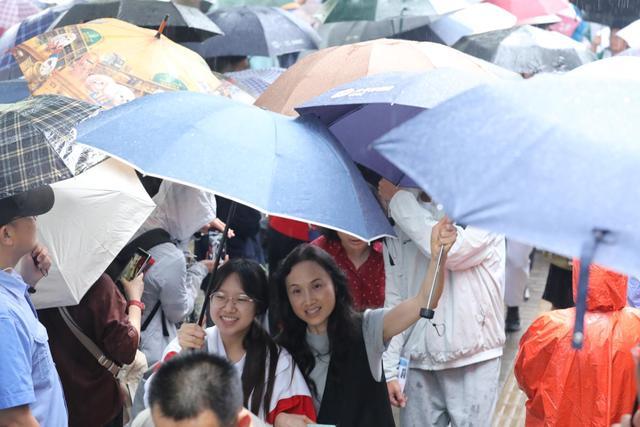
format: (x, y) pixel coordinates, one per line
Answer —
(527, 49)
(94, 216)
(631, 34)
(359, 112)
(374, 10)
(14, 11)
(255, 81)
(37, 143)
(19, 33)
(185, 24)
(512, 159)
(346, 32)
(630, 52)
(13, 91)
(615, 13)
(284, 167)
(570, 20)
(328, 68)
(109, 62)
(533, 11)
(475, 19)
(259, 31)
(626, 67)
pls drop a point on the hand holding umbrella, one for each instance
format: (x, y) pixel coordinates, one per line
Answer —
(443, 236)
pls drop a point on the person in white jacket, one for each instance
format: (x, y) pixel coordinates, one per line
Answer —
(181, 211)
(454, 358)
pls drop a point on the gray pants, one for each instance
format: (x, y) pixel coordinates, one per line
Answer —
(463, 396)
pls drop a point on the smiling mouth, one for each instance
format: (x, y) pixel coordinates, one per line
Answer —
(228, 318)
(312, 311)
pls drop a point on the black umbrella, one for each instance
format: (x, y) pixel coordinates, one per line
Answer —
(185, 24)
(257, 30)
(527, 49)
(37, 142)
(615, 13)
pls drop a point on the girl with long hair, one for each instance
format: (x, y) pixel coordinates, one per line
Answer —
(272, 384)
(338, 350)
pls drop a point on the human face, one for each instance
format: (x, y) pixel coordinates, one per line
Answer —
(617, 43)
(231, 309)
(311, 294)
(203, 419)
(21, 234)
(352, 244)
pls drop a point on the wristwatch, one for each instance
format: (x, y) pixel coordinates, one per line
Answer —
(138, 304)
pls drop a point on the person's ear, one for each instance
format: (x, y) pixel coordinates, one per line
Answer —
(244, 418)
(6, 237)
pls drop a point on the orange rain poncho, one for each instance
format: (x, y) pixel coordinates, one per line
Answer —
(594, 386)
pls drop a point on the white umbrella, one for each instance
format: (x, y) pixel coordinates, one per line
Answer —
(475, 19)
(94, 216)
(631, 34)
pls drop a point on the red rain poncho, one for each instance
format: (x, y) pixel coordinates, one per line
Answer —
(594, 386)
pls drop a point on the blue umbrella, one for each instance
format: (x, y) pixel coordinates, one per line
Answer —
(258, 31)
(286, 167)
(359, 112)
(13, 91)
(552, 161)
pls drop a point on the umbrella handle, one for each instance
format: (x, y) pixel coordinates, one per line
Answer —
(162, 26)
(588, 252)
(216, 263)
(428, 312)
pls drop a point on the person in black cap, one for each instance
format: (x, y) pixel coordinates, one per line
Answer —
(30, 389)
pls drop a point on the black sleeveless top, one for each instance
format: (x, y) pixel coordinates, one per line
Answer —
(352, 397)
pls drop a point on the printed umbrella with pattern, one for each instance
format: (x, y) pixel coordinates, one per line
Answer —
(37, 142)
(109, 62)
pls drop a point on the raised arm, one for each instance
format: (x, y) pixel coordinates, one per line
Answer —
(405, 314)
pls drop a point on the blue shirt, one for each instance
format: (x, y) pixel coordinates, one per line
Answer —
(27, 372)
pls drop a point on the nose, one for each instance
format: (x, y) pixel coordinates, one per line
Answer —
(307, 297)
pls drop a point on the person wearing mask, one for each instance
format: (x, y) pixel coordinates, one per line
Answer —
(94, 395)
(171, 286)
(454, 359)
(361, 262)
(30, 389)
(339, 351)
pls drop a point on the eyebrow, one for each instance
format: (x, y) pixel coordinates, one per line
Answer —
(311, 282)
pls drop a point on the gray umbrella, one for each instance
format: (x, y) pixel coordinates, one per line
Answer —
(527, 50)
(257, 30)
(346, 32)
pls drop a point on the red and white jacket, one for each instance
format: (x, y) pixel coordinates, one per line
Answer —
(291, 394)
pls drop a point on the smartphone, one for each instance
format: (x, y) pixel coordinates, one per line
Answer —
(136, 263)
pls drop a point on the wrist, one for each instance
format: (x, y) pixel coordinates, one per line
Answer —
(135, 303)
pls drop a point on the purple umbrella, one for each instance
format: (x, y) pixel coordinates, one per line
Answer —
(359, 112)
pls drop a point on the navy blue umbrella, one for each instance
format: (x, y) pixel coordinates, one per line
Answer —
(257, 31)
(552, 161)
(359, 112)
(287, 167)
(13, 91)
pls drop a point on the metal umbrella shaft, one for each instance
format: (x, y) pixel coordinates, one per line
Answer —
(428, 312)
(216, 263)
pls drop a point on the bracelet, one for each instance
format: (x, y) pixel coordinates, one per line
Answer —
(138, 304)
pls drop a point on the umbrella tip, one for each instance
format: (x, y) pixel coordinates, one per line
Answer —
(162, 26)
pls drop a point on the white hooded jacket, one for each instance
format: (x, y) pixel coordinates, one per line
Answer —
(181, 211)
(469, 316)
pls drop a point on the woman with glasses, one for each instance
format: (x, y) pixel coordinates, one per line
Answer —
(275, 392)
(338, 350)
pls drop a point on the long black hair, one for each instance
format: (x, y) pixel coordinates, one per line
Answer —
(343, 323)
(259, 346)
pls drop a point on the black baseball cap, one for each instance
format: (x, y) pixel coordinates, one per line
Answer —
(29, 203)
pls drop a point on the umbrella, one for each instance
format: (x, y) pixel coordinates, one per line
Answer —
(14, 11)
(569, 22)
(558, 172)
(527, 49)
(13, 91)
(94, 216)
(328, 68)
(255, 81)
(359, 112)
(533, 11)
(627, 67)
(185, 24)
(258, 31)
(374, 10)
(630, 52)
(36, 143)
(290, 168)
(346, 32)
(19, 33)
(475, 19)
(109, 62)
(631, 34)
(615, 13)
